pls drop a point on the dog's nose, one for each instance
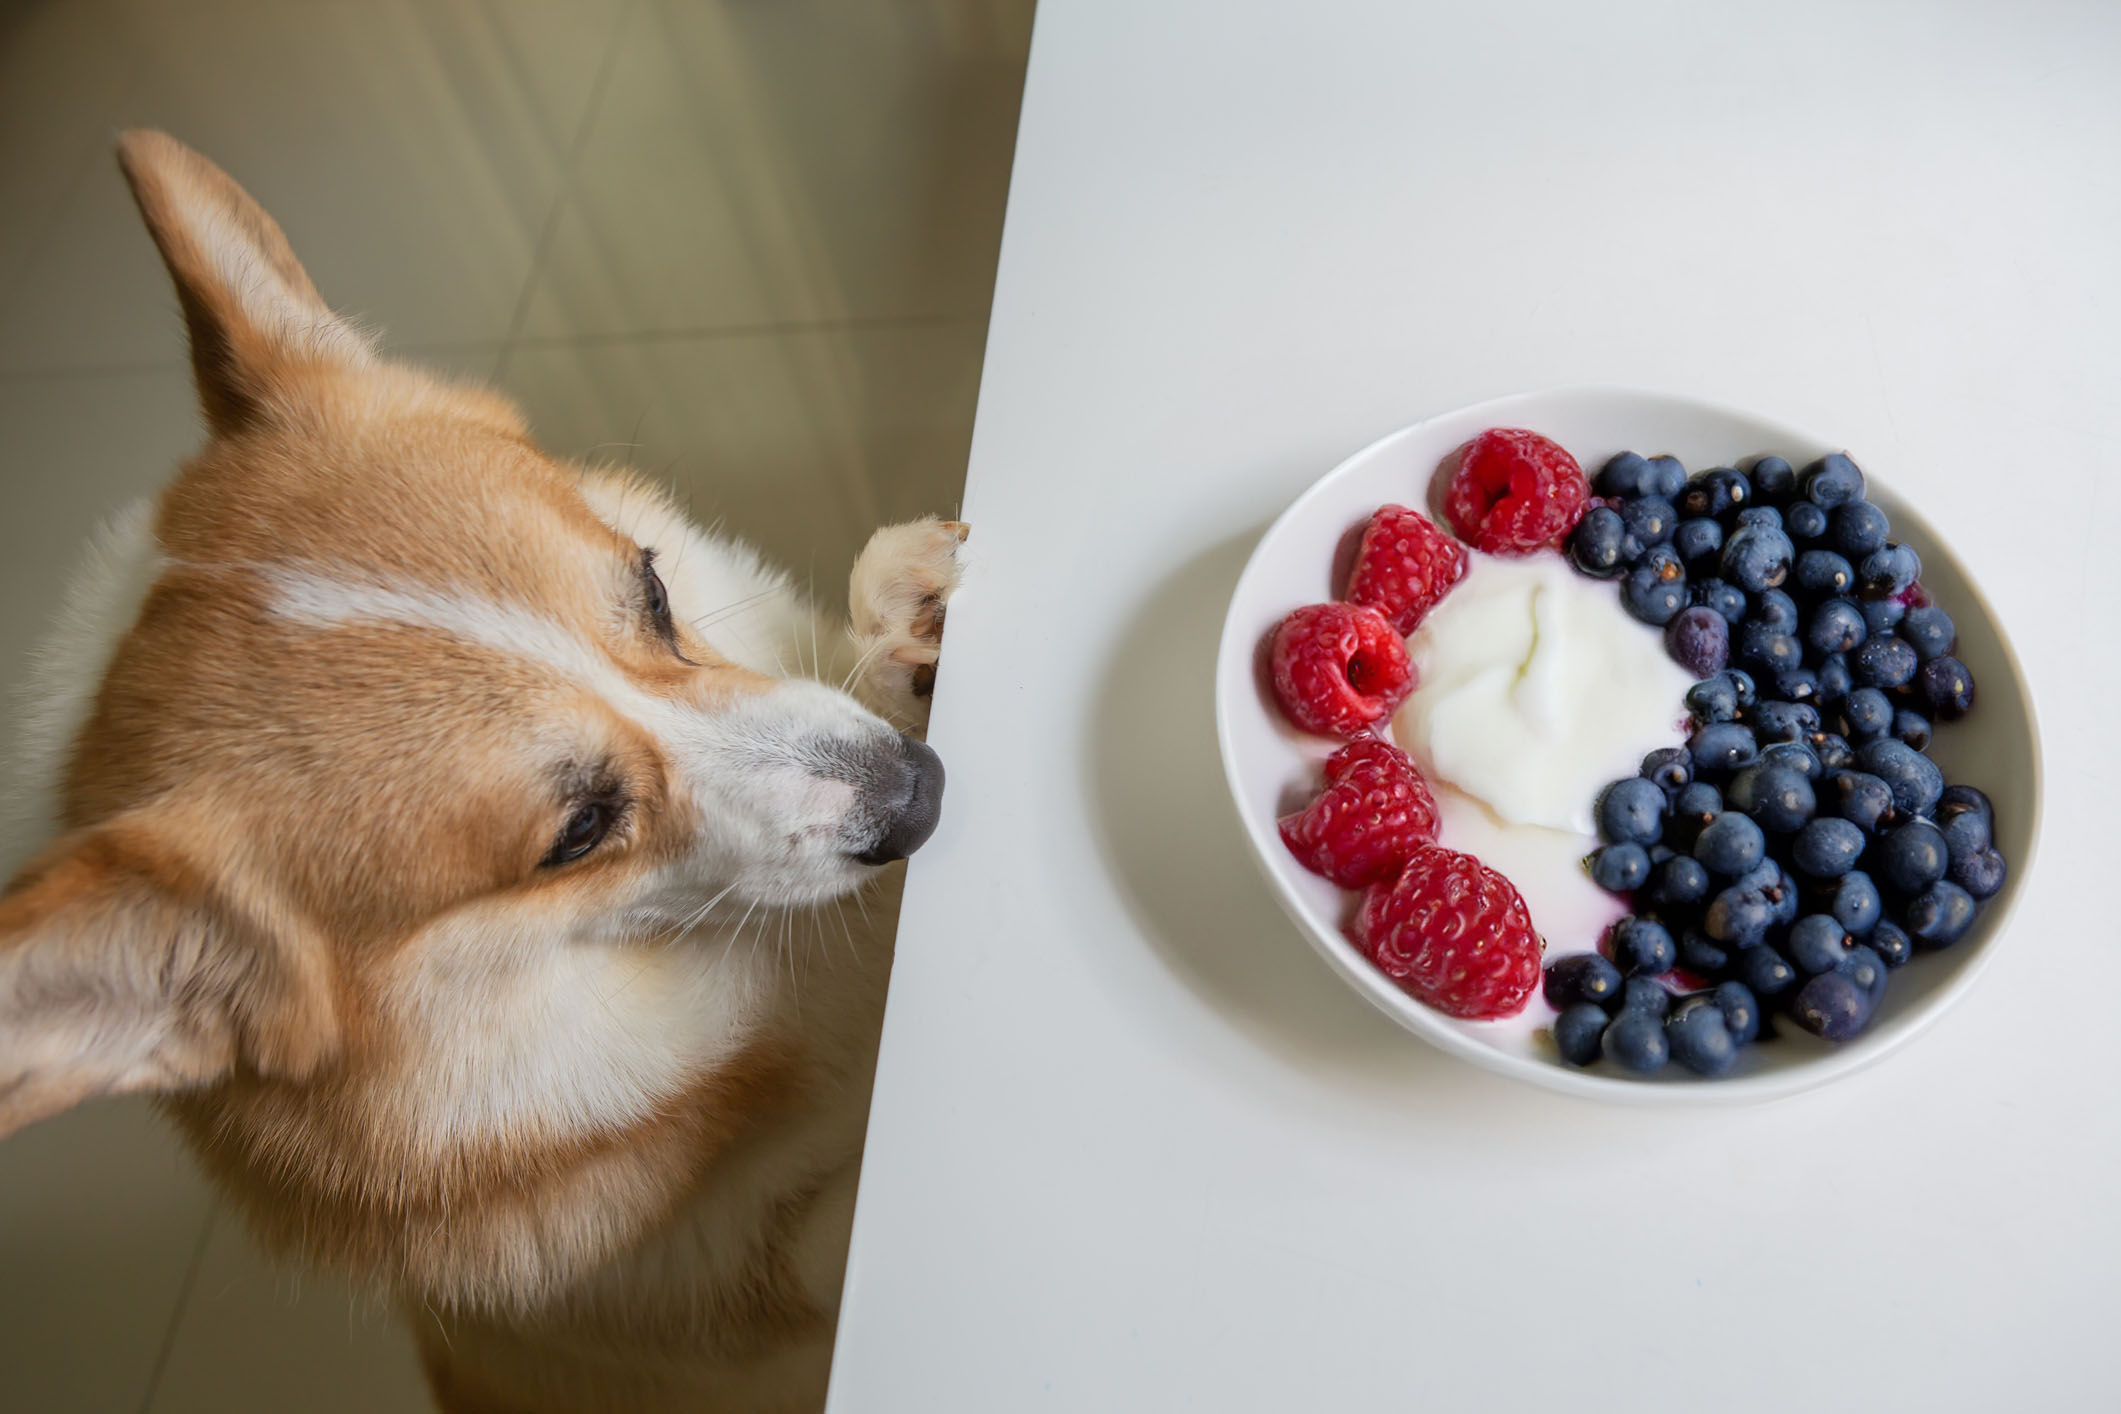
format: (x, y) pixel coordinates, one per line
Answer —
(904, 797)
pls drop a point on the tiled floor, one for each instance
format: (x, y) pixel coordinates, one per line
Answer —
(746, 245)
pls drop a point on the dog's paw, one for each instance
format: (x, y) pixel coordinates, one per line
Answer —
(897, 597)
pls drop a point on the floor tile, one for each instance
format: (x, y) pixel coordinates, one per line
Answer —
(795, 161)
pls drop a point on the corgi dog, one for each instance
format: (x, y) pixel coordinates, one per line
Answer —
(490, 872)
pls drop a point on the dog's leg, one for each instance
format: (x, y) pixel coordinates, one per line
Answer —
(896, 598)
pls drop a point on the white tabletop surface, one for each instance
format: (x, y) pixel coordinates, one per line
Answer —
(1134, 1147)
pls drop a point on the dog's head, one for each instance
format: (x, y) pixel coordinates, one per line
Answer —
(416, 756)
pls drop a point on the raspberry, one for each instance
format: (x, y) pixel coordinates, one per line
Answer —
(1404, 566)
(1515, 492)
(1452, 933)
(1338, 668)
(1375, 812)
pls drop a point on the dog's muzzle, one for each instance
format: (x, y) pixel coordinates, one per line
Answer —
(901, 799)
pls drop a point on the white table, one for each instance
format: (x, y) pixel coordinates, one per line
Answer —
(1134, 1148)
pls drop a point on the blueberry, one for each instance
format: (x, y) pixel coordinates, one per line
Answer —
(1947, 687)
(1631, 811)
(1668, 768)
(1712, 700)
(1577, 1032)
(1741, 1011)
(1757, 557)
(1856, 528)
(1836, 626)
(1887, 570)
(1798, 685)
(1835, 681)
(1765, 972)
(1680, 880)
(1912, 857)
(1700, 1039)
(1861, 799)
(1620, 868)
(1930, 630)
(1699, 953)
(1731, 844)
(1766, 516)
(1649, 519)
(1754, 903)
(1953, 802)
(1912, 728)
(1832, 1006)
(1882, 615)
(1715, 492)
(1768, 648)
(1635, 1040)
(1581, 977)
(1853, 900)
(1980, 872)
(1643, 946)
(1827, 847)
(1660, 852)
(1804, 522)
(1818, 943)
(1692, 810)
(1917, 783)
(1832, 481)
(1655, 590)
(1833, 751)
(1625, 475)
(1699, 542)
(1891, 942)
(1939, 916)
(1774, 483)
(1785, 721)
(1667, 476)
(1777, 610)
(1726, 599)
(1646, 995)
(1742, 683)
(1868, 714)
(1798, 755)
(1595, 545)
(1885, 662)
(1822, 574)
(1723, 747)
(1699, 640)
(1867, 969)
(1778, 798)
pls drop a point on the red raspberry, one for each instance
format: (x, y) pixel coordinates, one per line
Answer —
(1376, 811)
(1515, 492)
(1453, 933)
(1404, 566)
(1338, 668)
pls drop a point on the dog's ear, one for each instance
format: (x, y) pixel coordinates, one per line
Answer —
(125, 966)
(253, 315)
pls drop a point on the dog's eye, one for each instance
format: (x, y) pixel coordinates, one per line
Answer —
(658, 599)
(583, 832)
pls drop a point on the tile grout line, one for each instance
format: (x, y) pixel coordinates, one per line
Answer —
(176, 1317)
(606, 66)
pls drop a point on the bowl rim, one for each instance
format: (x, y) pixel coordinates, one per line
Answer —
(1234, 661)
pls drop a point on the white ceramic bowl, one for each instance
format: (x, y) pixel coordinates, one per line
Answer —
(1269, 763)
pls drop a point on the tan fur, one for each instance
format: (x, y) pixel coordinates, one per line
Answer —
(303, 873)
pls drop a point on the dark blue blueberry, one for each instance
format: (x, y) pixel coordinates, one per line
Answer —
(1754, 903)
(1910, 858)
(1980, 872)
(1818, 943)
(1679, 880)
(1635, 1041)
(1741, 1011)
(1731, 845)
(1930, 630)
(1867, 969)
(1856, 528)
(1798, 685)
(1912, 728)
(1667, 476)
(1625, 475)
(1853, 900)
(1804, 523)
(1939, 916)
(1649, 519)
(1947, 686)
(1643, 947)
(1726, 599)
(1835, 681)
(1868, 714)
(1717, 491)
(1956, 801)
(1742, 683)
(1596, 544)
(1915, 779)
(1836, 627)
(1827, 847)
(1832, 1006)
(1891, 942)
(1774, 483)
(1883, 615)
(1723, 747)
(1620, 868)
(1832, 481)
(1768, 649)
(1655, 590)
(1646, 995)
(1712, 700)
(1824, 574)
(1782, 799)
(1631, 811)
(1861, 799)
(1668, 768)
(1577, 1032)
(1701, 954)
(1885, 662)
(1699, 542)
(1765, 972)
(1699, 640)
(1758, 515)
(1700, 1039)
(1785, 721)
(1833, 751)
(1757, 557)
(1887, 570)
(1692, 809)
(1797, 755)
(1581, 977)
(1777, 610)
